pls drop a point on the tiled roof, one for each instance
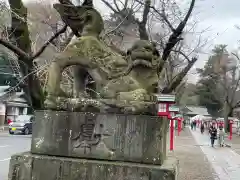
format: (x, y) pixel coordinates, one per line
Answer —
(198, 110)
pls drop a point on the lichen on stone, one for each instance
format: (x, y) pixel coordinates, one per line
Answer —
(124, 83)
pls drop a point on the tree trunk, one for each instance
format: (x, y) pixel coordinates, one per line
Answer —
(226, 115)
(20, 34)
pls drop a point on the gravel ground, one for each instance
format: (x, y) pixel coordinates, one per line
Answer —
(193, 165)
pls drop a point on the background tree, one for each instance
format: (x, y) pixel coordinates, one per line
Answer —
(219, 82)
(21, 43)
(7, 75)
(186, 95)
(209, 89)
(142, 15)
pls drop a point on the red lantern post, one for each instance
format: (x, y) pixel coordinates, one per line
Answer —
(164, 102)
(171, 134)
(230, 129)
(171, 117)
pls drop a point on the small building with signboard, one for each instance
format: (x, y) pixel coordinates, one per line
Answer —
(12, 104)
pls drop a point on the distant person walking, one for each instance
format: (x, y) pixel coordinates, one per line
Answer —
(194, 124)
(221, 135)
(213, 135)
(202, 128)
(184, 124)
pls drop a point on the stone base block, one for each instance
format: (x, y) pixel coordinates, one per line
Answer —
(133, 138)
(27, 166)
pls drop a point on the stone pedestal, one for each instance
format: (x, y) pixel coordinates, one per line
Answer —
(132, 138)
(74, 145)
(27, 166)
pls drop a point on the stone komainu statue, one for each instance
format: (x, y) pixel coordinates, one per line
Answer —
(124, 83)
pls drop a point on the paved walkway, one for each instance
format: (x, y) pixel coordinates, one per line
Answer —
(235, 143)
(225, 162)
(193, 163)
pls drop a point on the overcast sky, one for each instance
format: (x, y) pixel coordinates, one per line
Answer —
(219, 16)
(222, 16)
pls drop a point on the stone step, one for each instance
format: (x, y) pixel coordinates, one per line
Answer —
(28, 166)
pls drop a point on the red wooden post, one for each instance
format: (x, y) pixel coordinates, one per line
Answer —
(171, 118)
(171, 133)
(165, 101)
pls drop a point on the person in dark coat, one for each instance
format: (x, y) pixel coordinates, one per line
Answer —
(213, 135)
(194, 124)
(202, 128)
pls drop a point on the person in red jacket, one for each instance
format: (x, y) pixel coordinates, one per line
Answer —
(9, 121)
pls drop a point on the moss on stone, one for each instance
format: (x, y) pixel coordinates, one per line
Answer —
(137, 79)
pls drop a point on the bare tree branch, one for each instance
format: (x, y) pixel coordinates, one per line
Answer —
(115, 3)
(183, 54)
(175, 37)
(111, 31)
(174, 84)
(14, 49)
(235, 55)
(110, 6)
(40, 51)
(162, 15)
(22, 54)
(142, 25)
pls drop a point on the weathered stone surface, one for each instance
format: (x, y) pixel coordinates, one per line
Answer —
(132, 78)
(132, 138)
(27, 166)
